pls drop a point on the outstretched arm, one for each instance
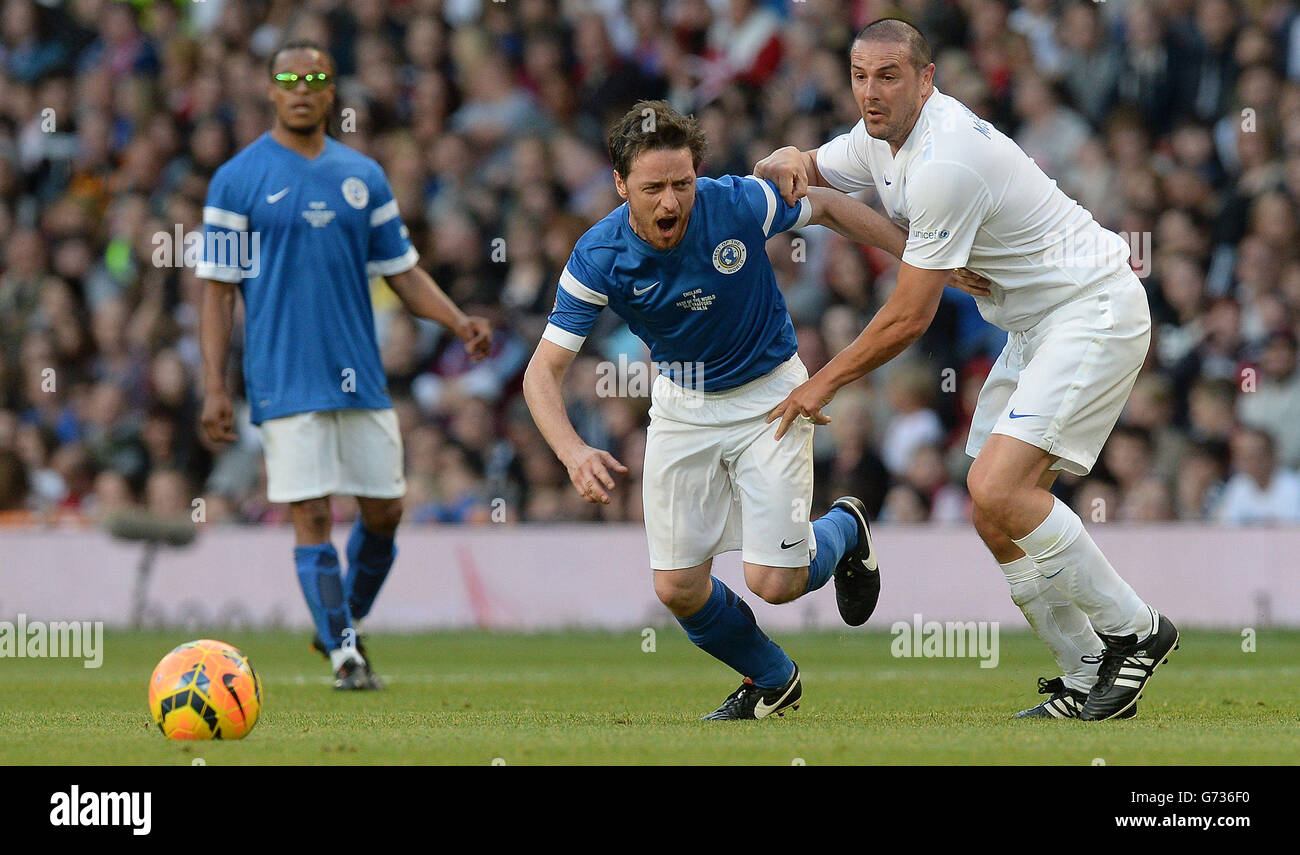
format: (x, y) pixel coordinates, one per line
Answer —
(855, 220)
(906, 314)
(588, 467)
(422, 297)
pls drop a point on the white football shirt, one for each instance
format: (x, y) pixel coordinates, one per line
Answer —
(970, 197)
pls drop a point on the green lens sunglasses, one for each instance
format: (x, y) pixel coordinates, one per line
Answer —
(316, 80)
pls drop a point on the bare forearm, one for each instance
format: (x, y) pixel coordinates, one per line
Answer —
(546, 403)
(888, 335)
(856, 220)
(422, 297)
(814, 174)
(215, 324)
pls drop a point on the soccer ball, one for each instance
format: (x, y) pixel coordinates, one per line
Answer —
(205, 689)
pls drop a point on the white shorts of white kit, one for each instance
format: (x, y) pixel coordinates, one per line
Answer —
(716, 480)
(1062, 384)
(333, 452)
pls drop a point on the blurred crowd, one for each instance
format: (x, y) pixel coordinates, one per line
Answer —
(1175, 122)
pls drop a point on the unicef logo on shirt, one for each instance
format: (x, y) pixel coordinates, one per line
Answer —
(356, 193)
(729, 256)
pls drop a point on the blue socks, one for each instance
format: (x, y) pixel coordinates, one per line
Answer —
(836, 533)
(322, 585)
(725, 628)
(370, 557)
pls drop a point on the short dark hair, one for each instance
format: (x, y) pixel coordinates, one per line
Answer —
(299, 44)
(893, 31)
(653, 126)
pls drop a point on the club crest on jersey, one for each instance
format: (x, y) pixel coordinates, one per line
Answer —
(729, 256)
(356, 193)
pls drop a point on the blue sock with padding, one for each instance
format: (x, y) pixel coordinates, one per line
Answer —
(725, 628)
(322, 586)
(370, 557)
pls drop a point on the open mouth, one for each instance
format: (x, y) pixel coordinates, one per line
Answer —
(666, 225)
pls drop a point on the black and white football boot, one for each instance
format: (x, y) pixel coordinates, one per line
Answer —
(751, 702)
(352, 676)
(1126, 666)
(857, 576)
(1063, 703)
(375, 681)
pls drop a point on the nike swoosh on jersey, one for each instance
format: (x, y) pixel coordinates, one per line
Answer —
(639, 291)
(1016, 415)
(276, 197)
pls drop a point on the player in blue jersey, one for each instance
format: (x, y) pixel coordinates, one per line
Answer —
(684, 263)
(299, 223)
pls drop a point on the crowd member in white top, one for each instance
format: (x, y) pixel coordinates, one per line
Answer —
(1078, 325)
(1260, 491)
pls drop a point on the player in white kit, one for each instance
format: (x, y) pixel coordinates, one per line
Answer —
(1078, 330)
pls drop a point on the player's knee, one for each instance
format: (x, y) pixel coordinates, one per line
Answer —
(312, 515)
(383, 519)
(773, 585)
(680, 596)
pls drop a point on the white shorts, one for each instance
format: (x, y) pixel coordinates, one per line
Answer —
(333, 452)
(1061, 384)
(716, 480)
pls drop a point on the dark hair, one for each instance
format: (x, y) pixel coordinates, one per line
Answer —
(653, 126)
(299, 44)
(893, 31)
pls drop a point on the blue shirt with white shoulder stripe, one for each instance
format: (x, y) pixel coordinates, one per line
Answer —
(709, 308)
(302, 238)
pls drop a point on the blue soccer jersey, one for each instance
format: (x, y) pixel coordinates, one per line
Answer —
(709, 309)
(302, 239)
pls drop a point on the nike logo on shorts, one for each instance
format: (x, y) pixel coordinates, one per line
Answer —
(785, 545)
(1016, 415)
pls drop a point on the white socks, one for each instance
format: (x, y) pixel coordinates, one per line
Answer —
(1062, 626)
(1065, 554)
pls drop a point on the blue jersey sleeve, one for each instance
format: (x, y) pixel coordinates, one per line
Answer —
(761, 199)
(390, 251)
(225, 225)
(578, 301)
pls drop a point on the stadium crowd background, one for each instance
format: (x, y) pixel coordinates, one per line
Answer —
(1175, 122)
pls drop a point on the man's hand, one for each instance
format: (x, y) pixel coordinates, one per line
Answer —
(218, 417)
(788, 170)
(476, 332)
(589, 469)
(970, 282)
(806, 401)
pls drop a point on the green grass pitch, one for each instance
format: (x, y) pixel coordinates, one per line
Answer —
(598, 698)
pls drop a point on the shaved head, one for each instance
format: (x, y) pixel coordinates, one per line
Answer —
(893, 31)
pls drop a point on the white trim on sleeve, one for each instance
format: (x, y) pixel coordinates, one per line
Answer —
(217, 272)
(771, 204)
(564, 338)
(570, 283)
(224, 219)
(393, 266)
(805, 213)
(383, 213)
